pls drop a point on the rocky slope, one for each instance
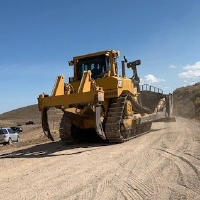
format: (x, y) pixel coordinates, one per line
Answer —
(186, 103)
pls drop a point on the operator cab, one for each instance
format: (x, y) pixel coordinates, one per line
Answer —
(98, 65)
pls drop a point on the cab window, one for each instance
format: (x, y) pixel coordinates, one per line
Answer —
(97, 64)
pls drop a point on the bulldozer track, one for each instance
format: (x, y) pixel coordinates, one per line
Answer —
(113, 124)
(115, 120)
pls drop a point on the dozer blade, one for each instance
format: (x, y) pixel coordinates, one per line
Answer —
(168, 110)
(163, 110)
(167, 119)
(45, 124)
(170, 119)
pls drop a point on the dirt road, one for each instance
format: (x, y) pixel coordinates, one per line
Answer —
(163, 164)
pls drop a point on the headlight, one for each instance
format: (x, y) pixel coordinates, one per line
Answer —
(120, 84)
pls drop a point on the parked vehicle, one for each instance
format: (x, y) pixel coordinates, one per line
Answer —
(29, 123)
(16, 129)
(7, 136)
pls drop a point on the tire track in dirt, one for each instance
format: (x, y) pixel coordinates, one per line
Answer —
(189, 172)
(137, 169)
(181, 190)
(130, 192)
(139, 188)
(143, 189)
(194, 131)
(153, 164)
(192, 161)
(120, 182)
(155, 169)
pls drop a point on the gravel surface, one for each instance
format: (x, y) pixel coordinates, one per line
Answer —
(163, 164)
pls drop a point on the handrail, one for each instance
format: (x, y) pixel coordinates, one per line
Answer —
(150, 88)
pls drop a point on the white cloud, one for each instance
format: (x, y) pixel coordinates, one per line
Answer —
(192, 67)
(190, 74)
(149, 79)
(172, 66)
(191, 71)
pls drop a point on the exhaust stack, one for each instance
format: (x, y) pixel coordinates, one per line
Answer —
(123, 68)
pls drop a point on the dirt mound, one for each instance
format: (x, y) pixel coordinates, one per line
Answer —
(28, 113)
(186, 101)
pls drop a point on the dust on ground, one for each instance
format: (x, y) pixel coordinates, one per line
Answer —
(163, 164)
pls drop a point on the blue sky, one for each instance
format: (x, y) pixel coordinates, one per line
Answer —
(38, 37)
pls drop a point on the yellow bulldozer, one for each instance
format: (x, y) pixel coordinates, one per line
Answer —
(97, 100)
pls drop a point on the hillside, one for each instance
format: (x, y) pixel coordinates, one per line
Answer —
(28, 113)
(184, 106)
(184, 101)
